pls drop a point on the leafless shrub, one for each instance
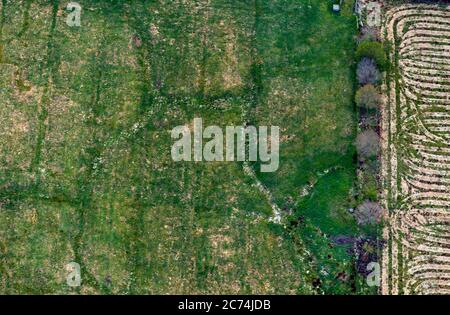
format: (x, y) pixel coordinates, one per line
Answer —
(368, 212)
(367, 144)
(367, 72)
(368, 97)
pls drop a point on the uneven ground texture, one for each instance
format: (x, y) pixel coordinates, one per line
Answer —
(416, 134)
(86, 174)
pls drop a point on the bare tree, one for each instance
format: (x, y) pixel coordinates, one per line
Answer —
(367, 72)
(368, 212)
(368, 97)
(367, 144)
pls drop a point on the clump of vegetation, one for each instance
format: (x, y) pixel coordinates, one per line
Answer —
(372, 50)
(370, 186)
(367, 72)
(367, 144)
(371, 167)
(137, 41)
(369, 212)
(366, 251)
(369, 120)
(368, 97)
(368, 33)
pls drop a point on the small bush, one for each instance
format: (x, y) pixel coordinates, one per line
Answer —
(368, 97)
(370, 187)
(369, 120)
(371, 167)
(367, 72)
(367, 144)
(373, 50)
(368, 212)
(368, 33)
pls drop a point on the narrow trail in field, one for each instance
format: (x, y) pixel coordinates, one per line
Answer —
(85, 185)
(256, 87)
(149, 77)
(26, 19)
(256, 90)
(2, 23)
(137, 246)
(276, 216)
(204, 44)
(48, 74)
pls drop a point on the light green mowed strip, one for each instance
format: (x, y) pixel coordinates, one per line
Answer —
(86, 173)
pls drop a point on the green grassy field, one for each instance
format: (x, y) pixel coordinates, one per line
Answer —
(85, 168)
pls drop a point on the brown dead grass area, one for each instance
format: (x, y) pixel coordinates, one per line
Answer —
(231, 75)
(222, 243)
(29, 95)
(14, 134)
(64, 134)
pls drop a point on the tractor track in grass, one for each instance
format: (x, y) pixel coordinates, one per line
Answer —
(135, 247)
(255, 92)
(26, 19)
(48, 75)
(85, 184)
(2, 23)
